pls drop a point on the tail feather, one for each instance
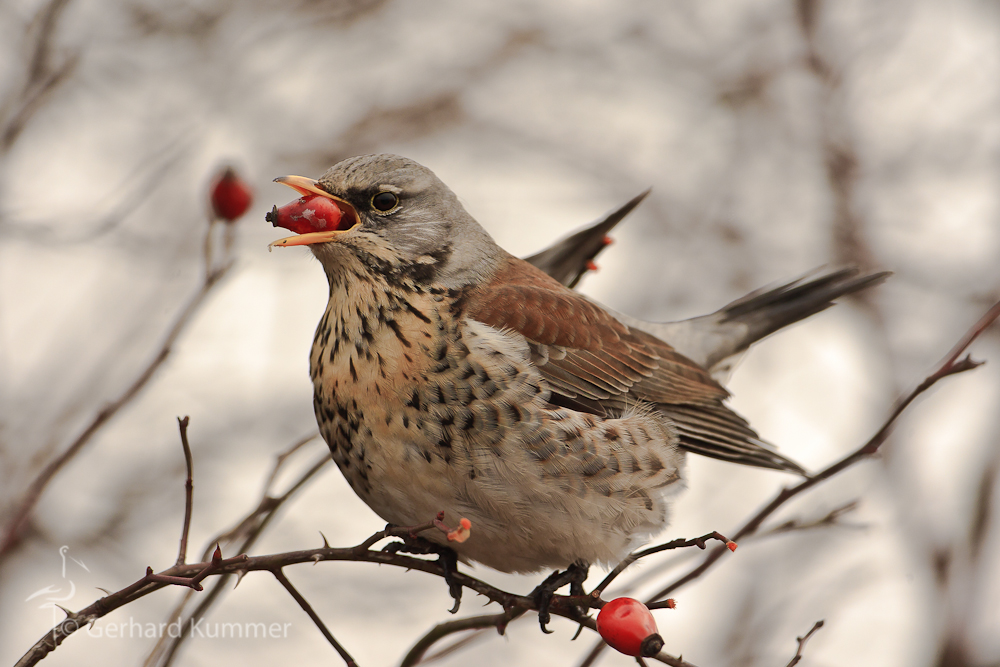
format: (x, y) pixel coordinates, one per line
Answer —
(764, 311)
(567, 260)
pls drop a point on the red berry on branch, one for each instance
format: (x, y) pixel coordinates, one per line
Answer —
(231, 197)
(628, 627)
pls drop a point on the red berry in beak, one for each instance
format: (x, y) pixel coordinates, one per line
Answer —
(628, 627)
(231, 197)
(314, 213)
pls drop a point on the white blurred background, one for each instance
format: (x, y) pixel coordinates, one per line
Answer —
(778, 136)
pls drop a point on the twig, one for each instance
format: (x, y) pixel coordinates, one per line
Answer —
(950, 365)
(23, 509)
(188, 489)
(415, 655)
(280, 576)
(41, 77)
(829, 519)
(250, 528)
(802, 643)
(699, 542)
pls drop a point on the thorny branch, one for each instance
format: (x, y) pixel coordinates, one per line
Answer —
(240, 538)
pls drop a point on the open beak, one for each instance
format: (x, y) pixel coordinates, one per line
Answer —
(317, 216)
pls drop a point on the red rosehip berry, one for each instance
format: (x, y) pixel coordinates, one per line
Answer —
(231, 197)
(314, 213)
(628, 627)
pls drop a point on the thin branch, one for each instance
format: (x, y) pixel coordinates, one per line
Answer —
(249, 529)
(950, 365)
(188, 489)
(699, 542)
(24, 508)
(282, 457)
(831, 518)
(40, 77)
(802, 643)
(280, 576)
(416, 654)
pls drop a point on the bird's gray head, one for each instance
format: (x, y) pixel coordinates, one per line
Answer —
(393, 212)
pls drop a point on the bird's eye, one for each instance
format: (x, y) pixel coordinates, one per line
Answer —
(384, 201)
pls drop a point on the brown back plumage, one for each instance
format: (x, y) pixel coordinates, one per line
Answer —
(597, 364)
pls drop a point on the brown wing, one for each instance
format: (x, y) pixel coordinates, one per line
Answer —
(597, 364)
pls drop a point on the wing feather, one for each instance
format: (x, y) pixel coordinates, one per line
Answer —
(609, 366)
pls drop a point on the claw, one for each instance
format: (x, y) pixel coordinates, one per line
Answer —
(447, 558)
(574, 575)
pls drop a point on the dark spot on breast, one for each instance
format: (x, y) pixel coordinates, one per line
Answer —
(394, 325)
(419, 315)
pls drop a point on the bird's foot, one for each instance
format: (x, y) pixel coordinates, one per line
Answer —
(447, 559)
(574, 575)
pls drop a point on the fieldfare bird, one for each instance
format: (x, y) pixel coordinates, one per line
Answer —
(450, 375)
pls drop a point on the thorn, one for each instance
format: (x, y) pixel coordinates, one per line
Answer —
(217, 554)
(70, 615)
(149, 570)
(591, 266)
(326, 545)
(731, 545)
(239, 577)
(316, 558)
(104, 590)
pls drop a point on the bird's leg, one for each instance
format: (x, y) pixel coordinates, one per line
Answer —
(574, 575)
(447, 559)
